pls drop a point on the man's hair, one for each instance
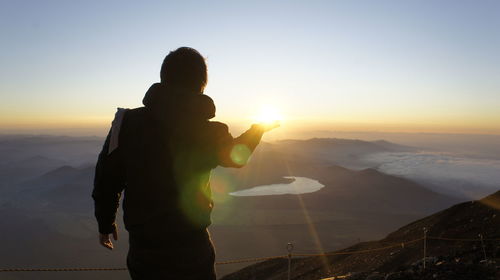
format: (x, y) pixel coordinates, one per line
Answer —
(184, 67)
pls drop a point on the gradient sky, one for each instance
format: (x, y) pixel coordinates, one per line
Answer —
(348, 65)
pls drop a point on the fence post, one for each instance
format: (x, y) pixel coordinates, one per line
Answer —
(425, 245)
(482, 245)
(289, 248)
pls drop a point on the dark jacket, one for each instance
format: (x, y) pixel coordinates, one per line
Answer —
(162, 161)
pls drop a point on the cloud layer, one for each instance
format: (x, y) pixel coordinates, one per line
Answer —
(452, 174)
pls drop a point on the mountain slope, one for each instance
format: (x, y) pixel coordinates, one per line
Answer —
(462, 221)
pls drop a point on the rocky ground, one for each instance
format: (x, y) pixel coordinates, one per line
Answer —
(436, 268)
(454, 251)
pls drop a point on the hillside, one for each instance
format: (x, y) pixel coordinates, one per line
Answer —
(447, 259)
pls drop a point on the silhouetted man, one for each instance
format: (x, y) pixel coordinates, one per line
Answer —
(161, 156)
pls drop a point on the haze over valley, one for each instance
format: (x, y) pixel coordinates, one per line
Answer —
(358, 191)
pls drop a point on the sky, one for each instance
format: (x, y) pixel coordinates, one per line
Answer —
(403, 66)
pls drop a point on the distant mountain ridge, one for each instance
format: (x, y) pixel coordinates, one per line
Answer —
(377, 144)
(345, 152)
(347, 145)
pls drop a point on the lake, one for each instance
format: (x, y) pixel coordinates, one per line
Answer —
(299, 185)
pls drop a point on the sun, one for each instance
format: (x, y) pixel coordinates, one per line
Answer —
(268, 114)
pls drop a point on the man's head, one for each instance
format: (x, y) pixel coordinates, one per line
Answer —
(184, 67)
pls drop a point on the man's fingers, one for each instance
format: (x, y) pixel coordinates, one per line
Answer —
(271, 126)
(268, 126)
(115, 234)
(104, 241)
(276, 124)
(108, 244)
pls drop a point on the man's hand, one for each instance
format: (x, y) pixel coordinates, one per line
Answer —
(105, 241)
(267, 126)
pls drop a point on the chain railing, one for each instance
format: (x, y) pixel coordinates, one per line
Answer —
(288, 256)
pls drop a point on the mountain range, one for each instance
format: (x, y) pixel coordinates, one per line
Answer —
(47, 215)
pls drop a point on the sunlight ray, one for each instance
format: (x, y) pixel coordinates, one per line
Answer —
(311, 227)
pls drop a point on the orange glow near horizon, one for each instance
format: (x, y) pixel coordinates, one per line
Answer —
(291, 125)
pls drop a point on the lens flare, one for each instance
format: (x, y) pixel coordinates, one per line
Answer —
(240, 154)
(221, 185)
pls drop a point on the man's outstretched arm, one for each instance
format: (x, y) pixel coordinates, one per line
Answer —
(235, 152)
(109, 183)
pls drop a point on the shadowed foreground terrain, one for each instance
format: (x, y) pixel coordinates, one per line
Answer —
(446, 259)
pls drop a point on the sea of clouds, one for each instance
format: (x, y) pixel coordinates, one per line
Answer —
(446, 173)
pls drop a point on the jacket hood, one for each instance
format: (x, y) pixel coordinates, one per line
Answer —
(166, 102)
